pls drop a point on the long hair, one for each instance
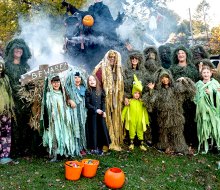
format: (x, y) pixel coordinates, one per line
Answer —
(98, 86)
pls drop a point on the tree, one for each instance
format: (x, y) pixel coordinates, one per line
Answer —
(215, 40)
(12, 10)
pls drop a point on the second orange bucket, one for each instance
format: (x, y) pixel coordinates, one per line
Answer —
(90, 167)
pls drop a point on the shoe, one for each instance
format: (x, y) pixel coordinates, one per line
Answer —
(5, 160)
(105, 149)
(131, 147)
(83, 152)
(142, 147)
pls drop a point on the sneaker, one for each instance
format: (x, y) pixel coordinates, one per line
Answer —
(142, 147)
(83, 152)
(105, 149)
(131, 147)
(5, 160)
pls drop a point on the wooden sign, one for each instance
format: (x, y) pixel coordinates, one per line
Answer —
(44, 71)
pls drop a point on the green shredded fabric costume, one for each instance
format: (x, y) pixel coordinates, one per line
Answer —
(57, 133)
(135, 114)
(208, 113)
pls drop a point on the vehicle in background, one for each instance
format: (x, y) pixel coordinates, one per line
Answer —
(215, 59)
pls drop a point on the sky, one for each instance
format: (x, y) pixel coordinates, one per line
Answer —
(181, 7)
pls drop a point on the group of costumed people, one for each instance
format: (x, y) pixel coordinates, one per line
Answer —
(173, 105)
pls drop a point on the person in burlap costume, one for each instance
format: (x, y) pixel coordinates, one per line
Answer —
(109, 74)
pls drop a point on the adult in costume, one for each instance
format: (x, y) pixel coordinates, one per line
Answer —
(6, 114)
(207, 101)
(135, 115)
(165, 56)
(135, 65)
(182, 66)
(75, 86)
(109, 74)
(198, 53)
(17, 54)
(168, 97)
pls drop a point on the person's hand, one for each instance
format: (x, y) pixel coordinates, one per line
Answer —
(126, 102)
(214, 71)
(207, 91)
(151, 85)
(218, 89)
(180, 79)
(104, 114)
(200, 67)
(99, 111)
(72, 103)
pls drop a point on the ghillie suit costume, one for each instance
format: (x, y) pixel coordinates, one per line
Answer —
(168, 101)
(151, 63)
(56, 123)
(22, 140)
(111, 79)
(208, 114)
(6, 115)
(97, 133)
(198, 53)
(165, 56)
(191, 72)
(129, 72)
(79, 113)
(135, 116)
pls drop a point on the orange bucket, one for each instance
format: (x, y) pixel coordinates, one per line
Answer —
(73, 170)
(90, 167)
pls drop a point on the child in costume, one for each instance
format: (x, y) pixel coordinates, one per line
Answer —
(57, 134)
(167, 97)
(6, 114)
(207, 101)
(97, 132)
(135, 115)
(75, 86)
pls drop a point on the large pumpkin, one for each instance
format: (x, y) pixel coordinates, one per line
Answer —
(88, 20)
(114, 178)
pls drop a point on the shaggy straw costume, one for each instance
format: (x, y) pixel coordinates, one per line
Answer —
(21, 133)
(6, 114)
(168, 102)
(208, 114)
(112, 82)
(191, 72)
(135, 116)
(79, 113)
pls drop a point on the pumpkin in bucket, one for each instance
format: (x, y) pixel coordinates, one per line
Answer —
(88, 20)
(114, 178)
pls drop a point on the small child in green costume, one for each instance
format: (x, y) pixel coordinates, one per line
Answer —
(135, 115)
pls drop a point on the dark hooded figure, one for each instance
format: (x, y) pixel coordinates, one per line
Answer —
(167, 97)
(182, 67)
(165, 56)
(198, 53)
(17, 54)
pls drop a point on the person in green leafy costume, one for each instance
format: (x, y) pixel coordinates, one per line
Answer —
(167, 96)
(207, 101)
(182, 66)
(17, 54)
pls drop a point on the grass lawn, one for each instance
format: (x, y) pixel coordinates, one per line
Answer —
(143, 170)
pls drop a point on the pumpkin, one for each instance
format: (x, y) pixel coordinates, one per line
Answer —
(88, 20)
(114, 178)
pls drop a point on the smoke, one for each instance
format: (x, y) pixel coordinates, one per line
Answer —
(44, 42)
